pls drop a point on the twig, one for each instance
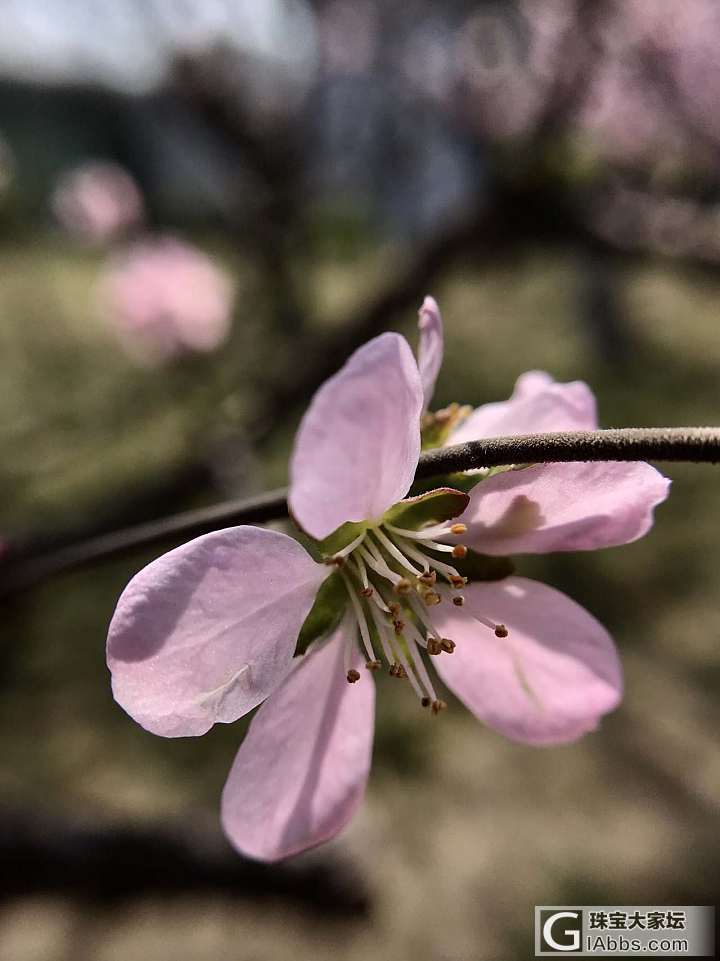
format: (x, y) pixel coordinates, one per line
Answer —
(31, 569)
(696, 444)
(22, 570)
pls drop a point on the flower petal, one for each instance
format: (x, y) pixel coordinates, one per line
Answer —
(207, 631)
(302, 769)
(549, 681)
(430, 351)
(538, 403)
(563, 507)
(358, 444)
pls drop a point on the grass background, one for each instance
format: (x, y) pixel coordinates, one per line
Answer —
(462, 832)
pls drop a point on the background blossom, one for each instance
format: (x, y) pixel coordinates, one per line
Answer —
(165, 297)
(97, 201)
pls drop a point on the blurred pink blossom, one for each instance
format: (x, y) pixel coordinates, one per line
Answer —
(626, 117)
(653, 97)
(507, 63)
(165, 297)
(97, 201)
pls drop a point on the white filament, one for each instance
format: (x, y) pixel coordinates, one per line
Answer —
(359, 616)
(396, 552)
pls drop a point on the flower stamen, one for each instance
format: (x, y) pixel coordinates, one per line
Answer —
(395, 552)
(392, 560)
(424, 618)
(448, 572)
(383, 630)
(349, 548)
(428, 533)
(377, 563)
(362, 571)
(419, 665)
(359, 616)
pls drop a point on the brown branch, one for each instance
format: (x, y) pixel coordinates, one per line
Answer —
(691, 444)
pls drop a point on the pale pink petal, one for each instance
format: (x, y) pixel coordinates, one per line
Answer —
(207, 631)
(301, 771)
(430, 351)
(549, 681)
(358, 444)
(563, 507)
(538, 404)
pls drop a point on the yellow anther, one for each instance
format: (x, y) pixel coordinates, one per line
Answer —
(501, 630)
(431, 598)
(373, 665)
(445, 414)
(403, 586)
(353, 675)
(438, 706)
(458, 601)
(458, 529)
(429, 578)
(457, 581)
(459, 551)
(447, 645)
(433, 645)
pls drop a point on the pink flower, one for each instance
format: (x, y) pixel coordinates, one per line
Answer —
(97, 201)
(165, 297)
(207, 632)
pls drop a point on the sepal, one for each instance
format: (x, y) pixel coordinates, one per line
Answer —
(432, 507)
(325, 613)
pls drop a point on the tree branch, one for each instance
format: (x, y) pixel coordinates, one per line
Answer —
(696, 444)
(24, 568)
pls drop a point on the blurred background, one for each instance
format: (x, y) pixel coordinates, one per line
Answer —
(205, 206)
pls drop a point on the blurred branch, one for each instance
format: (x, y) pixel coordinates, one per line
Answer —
(25, 567)
(271, 228)
(406, 293)
(693, 444)
(109, 864)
